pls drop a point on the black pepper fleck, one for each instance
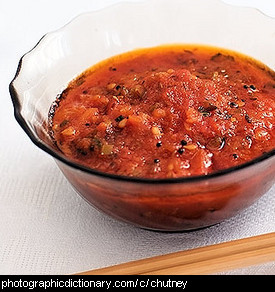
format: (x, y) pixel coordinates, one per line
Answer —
(119, 118)
(248, 119)
(233, 105)
(159, 144)
(156, 160)
(181, 150)
(235, 156)
(183, 142)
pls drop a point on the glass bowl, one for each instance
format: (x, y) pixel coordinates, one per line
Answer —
(158, 204)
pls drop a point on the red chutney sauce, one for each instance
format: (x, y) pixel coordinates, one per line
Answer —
(166, 112)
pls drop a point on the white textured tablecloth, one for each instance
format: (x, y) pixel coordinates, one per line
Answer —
(45, 228)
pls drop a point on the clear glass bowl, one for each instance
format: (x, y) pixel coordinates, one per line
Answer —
(158, 204)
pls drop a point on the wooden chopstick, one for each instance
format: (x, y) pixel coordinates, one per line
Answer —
(203, 260)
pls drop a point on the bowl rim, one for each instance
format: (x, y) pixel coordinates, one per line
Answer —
(60, 157)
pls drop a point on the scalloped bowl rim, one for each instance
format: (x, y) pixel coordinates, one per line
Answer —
(59, 156)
